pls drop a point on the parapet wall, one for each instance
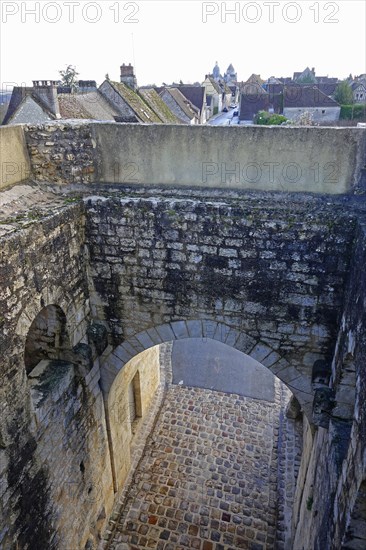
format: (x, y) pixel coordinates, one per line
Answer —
(14, 157)
(316, 160)
(302, 159)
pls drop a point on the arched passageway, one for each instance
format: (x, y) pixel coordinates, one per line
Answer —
(295, 380)
(215, 462)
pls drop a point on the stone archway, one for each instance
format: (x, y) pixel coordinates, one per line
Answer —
(205, 409)
(299, 384)
(47, 337)
(113, 366)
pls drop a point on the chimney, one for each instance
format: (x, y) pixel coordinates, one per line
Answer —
(128, 76)
(46, 92)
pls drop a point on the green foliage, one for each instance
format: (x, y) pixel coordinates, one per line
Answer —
(353, 112)
(265, 118)
(343, 93)
(69, 76)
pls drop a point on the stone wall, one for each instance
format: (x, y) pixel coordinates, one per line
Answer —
(61, 153)
(144, 370)
(272, 271)
(334, 459)
(55, 479)
(14, 157)
(317, 114)
(268, 273)
(304, 159)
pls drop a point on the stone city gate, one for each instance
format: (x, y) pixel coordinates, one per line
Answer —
(277, 275)
(265, 279)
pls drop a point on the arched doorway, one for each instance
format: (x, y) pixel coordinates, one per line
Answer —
(47, 337)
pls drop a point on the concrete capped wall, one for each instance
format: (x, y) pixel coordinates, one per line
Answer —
(310, 159)
(14, 158)
(298, 159)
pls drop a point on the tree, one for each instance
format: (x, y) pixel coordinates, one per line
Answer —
(343, 93)
(69, 76)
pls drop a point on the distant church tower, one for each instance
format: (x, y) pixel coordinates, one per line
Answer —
(128, 76)
(230, 76)
(216, 72)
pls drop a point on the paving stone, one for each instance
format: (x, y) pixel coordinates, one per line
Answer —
(208, 478)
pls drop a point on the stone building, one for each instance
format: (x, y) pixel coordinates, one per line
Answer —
(309, 99)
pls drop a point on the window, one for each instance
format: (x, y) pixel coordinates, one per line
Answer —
(134, 399)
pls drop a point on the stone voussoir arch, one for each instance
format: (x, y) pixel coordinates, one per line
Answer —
(115, 360)
(42, 300)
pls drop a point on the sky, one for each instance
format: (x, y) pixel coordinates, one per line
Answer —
(176, 40)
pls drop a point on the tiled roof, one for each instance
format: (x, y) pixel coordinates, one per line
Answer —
(195, 94)
(356, 85)
(136, 103)
(286, 79)
(18, 95)
(189, 110)
(255, 78)
(224, 87)
(328, 88)
(326, 80)
(306, 96)
(86, 105)
(252, 88)
(156, 103)
(272, 80)
(70, 107)
(274, 88)
(250, 107)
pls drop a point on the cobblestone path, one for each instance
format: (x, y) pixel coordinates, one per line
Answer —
(208, 477)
